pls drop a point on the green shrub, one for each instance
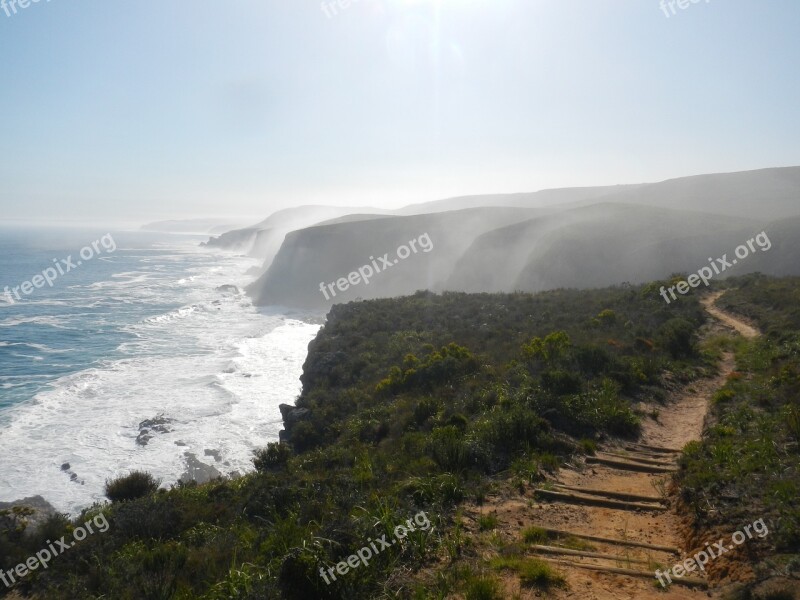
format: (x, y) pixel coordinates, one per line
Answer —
(483, 587)
(459, 421)
(444, 489)
(512, 432)
(487, 522)
(532, 572)
(593, 359)
(273, 457)
(149, 518)
(548, 462)
(446, 446)
(607, 317)
(437, 368)
(550, 349)
(792, 419)
(534, 535)
(526, 468)
(723, 396)
(130, 487)
(163, 566)
(537, 573)
(299, 577)
(599, 409)
(561, 382)
(676, 336)
(304, 436)
(425, 409)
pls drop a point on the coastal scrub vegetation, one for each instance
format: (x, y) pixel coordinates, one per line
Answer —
(130, 487)
(418, 403)
(747, 467)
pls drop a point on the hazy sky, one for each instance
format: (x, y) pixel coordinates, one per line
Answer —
(134, 111)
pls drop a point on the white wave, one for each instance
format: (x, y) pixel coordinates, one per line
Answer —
(46, 302)
(57, 322)
(17, 354)
(216, 366)
(39, 347)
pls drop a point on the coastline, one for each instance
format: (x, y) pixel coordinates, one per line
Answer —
(185, 393)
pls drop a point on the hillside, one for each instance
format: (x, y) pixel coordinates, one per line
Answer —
(570, 237)
(422, 407)
(325, 253)
(595, 246)
(263, 239)
(505, 249)
(555, 198)
(764, 194)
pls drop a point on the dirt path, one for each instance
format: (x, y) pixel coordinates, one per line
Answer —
(620, 495)
(736, 323)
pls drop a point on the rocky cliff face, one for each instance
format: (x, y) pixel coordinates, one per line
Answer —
(263, 239)
(580, 244)
(42, 510)
(331, 254)
(479, 250)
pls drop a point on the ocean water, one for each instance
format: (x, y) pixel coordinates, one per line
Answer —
(150, 331)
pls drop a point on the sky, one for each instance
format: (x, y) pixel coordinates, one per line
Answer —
(128, 112)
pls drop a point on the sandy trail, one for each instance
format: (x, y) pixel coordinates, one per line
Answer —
(678, 423)
(736, 323)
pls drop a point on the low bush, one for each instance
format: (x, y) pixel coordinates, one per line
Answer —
(135, 485)
(273, 457)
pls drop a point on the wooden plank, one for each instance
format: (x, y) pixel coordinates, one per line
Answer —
(645, 461)
(605, 540)
(658, 449)
(628, 466)
(596, 501)
(584, 554)
(687, 581)
(616, 495)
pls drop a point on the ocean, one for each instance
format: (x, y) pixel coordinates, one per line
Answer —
(146, 357)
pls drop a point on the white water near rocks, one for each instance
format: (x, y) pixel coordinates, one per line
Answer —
(215, 369)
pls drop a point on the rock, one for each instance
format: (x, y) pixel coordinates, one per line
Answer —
(228, 289)
(42, 510)
(158, 424)
(214, 453)
(148, 427)
(291, 414)
(198, 471)
(65, 467)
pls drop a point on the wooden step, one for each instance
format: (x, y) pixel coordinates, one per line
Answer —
(645, 461)
(584, 554)
(643, 455)
(596, 501)
(616, 495)
(658, 449)
(647, 453)
(687, 581)
(628, 466)
(605, 540)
